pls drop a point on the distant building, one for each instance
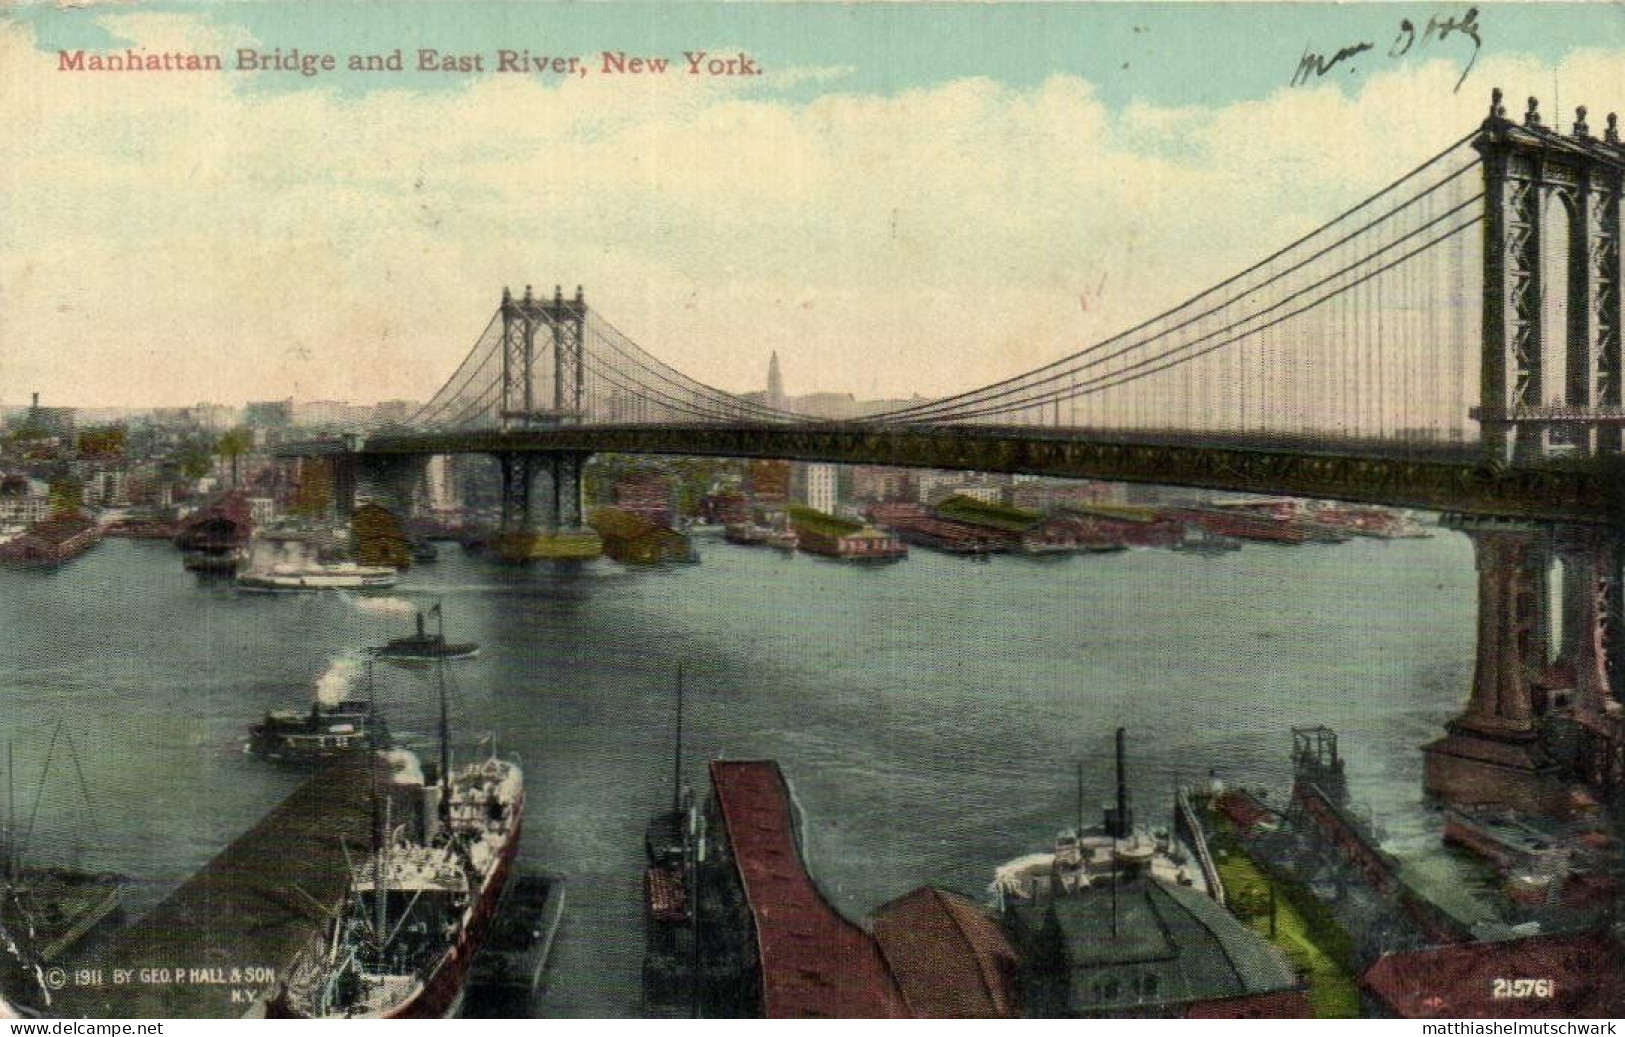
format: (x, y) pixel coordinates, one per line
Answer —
(106, 488)
(768, 484)
(833, 406)
(273, 414)
(333, 414)
(775, 384)
(23, 501)
(395, 412)
(50, 421)
(1046, 495)
(880, 484)
(648, 494)
(818, 487)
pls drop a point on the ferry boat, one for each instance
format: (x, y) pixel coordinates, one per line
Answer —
(314, 576)
(421, 903)
(426, 647)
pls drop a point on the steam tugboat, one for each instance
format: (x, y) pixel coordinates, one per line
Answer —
(329, 729)
(426, 647)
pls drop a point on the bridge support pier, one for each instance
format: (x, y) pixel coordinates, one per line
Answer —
(1534, 723)
(392, 482)
(555, 528)
(1492, 752)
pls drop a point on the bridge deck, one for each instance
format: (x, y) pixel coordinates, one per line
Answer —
(1432, 476)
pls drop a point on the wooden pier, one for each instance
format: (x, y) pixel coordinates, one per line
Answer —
(217, 945)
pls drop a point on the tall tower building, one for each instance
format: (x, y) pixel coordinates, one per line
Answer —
(775, 383)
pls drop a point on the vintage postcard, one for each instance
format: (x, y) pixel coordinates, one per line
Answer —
(518, 510)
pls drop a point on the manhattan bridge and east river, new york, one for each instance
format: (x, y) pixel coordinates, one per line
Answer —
(586, 687)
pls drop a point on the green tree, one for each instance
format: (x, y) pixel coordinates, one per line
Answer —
(231, 446)
(67, 497)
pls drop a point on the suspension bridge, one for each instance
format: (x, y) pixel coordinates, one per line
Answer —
(1450, 342)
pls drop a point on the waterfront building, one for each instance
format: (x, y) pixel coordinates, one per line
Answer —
(950, 960)
(394, 412)
(1139, 947)
(1121, 524)
(824, 534)
(50, 542)
(1573, 976)
(649, 494)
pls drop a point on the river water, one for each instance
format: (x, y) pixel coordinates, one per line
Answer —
(928, 714)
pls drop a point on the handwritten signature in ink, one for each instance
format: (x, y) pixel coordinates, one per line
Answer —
(1312, 66)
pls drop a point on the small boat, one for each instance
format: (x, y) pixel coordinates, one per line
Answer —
(320, 576)
(673, 845)
(326, 730)
(509, 966)
(423, 551)
(426, 647)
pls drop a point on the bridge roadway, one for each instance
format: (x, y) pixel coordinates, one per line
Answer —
(1437, 477)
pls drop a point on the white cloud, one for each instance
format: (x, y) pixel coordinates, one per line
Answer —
(183, 237)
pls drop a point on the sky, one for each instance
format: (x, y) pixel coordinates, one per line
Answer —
(901, 199)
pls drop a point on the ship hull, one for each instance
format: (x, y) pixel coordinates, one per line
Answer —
(440, 995)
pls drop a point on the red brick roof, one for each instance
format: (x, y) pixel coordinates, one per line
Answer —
(815, 963)
(1459, 980)
(1282, 1004)
(950, 960)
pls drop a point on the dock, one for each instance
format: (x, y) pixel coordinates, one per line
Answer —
(220, 942)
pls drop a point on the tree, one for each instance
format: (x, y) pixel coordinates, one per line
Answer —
(231, 446)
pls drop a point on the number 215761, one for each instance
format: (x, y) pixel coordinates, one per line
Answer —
(1509, 988)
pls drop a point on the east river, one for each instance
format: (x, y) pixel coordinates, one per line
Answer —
(928, 714)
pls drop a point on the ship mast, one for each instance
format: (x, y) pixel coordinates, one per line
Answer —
(677, 753)
(445, 744)
(11, 807)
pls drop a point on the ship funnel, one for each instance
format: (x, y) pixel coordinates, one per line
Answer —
(1119, 820)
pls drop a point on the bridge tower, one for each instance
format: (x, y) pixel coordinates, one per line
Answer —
(1545, 705)
(541, 513)
(1551, 378)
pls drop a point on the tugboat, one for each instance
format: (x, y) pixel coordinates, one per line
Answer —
(426, 647)
(329, 729)
(420, 905)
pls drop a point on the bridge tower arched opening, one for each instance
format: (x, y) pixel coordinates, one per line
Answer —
(1551, 318)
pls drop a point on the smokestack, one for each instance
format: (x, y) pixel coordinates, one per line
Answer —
(35, 404)
(1120, 822)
